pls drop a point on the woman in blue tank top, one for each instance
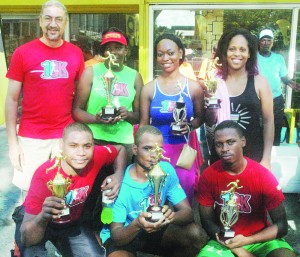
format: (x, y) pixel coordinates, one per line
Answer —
(158, 99)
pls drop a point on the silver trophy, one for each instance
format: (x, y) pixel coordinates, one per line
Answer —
(179, 114)
(229, 212)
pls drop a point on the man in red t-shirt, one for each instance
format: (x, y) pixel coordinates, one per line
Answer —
(57, 218)
(241, 184)
(45, 71)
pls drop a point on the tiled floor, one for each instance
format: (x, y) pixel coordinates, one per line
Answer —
(10, 195)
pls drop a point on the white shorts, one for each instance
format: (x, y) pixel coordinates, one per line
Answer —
(36, 152)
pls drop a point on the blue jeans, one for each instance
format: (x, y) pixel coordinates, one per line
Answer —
(75, 240)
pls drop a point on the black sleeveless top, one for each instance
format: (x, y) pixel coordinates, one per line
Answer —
(246, 110)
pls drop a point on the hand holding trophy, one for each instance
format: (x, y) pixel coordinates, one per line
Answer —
(157, 179)
(229, 212)
(179, 113)
(59, 187)
(211, 82)
(109, 111)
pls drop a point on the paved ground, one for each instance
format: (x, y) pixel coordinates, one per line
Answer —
(10, 197)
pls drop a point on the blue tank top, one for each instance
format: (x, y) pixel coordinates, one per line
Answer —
(161, 112)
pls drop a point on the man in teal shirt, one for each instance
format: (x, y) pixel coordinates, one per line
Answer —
(273, 67)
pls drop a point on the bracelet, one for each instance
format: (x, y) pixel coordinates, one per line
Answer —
(190, 126)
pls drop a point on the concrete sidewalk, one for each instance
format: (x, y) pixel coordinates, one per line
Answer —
(10, 198)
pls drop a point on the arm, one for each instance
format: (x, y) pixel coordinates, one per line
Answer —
(291, 83)
(197, 96)
(265, 95)
(278, 229)
(116, 178)
(123, 235)
(145, 99)
(11, 115)
(81, 98)
(183, 214)
(33, 227)
(208, 221)
(134, 116)
(82, 95)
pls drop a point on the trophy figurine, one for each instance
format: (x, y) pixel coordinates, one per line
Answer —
(59, 187)
(179, 114)
(211, 82)
(109, 111)
(229, 212)
(157, 178)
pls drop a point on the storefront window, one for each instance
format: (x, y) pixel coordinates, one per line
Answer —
(17, 31)
(296, 95)
(200, 29)
(86, 32)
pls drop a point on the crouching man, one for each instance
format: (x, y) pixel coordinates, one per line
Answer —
(236, 194)
(57, 194)
(135, 226)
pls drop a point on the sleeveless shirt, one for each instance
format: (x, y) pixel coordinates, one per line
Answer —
(124, 92)
(246, 111)
(161, 112)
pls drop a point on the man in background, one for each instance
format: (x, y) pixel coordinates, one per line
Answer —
(273, 67)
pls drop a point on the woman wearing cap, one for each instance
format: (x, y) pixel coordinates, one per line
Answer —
(91, 95)
(249, 94)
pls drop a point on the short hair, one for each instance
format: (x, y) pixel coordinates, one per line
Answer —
(111, 29)
(230, 124)
(77, 126)
(173, 38)
(146, 129)
(56, 4)
(223, 44)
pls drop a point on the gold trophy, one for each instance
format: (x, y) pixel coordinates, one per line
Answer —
(109, 111)
(179, 113)
(211, 82)
(229, 212)
(59, 187)
(157, 178)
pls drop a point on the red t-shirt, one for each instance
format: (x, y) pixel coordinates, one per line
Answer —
(260, 192)
(80, 187)
(48, 76)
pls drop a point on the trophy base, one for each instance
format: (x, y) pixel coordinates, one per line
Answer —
(65, 217)
(156, 213)
(226, 233)
(213, 103)
(176, 129)
(109, 112)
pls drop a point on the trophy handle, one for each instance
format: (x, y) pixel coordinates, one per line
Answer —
(50, 186)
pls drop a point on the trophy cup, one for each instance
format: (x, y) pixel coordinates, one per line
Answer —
(229, 212)
(157, 178)
(211, 82)
(59, 187)
(179, 114)
(109, 111)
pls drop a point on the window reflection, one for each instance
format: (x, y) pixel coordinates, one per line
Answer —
(200, 30)
(86, 32)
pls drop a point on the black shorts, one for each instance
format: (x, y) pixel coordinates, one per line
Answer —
(144, 242)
